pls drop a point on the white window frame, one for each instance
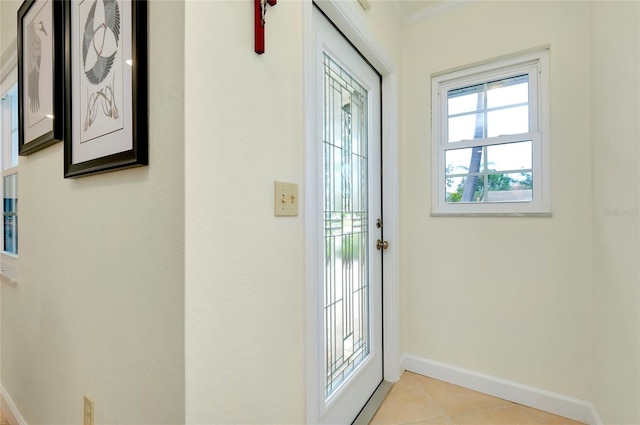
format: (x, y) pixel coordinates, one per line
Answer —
(536, 65)
(8, 78)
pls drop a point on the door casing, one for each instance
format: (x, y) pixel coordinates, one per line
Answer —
(347, 21)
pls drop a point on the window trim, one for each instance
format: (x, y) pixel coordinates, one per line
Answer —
(536, 64)
(7, 83)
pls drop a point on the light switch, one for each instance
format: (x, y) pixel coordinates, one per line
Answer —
(285, 199)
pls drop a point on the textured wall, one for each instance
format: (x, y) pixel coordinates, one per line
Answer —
(8, 29)
(99, 309)
(615, 124)
(245, 275)
(510, 297)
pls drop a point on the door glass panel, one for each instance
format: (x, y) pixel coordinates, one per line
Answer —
(346, 223)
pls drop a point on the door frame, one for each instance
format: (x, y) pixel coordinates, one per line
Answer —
(345, 17)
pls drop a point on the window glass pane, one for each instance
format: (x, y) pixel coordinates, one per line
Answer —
(462, 161)
(494, 187)
(499, 94)
(466, 127)
(14, 127)
(13, 161)
(14, 108)
(515, 187)
(509, 91)
(509, 156)
(9, 125)
(467, 99)
(465, 189)
(455, 186)
(508, 121)
(10, 213)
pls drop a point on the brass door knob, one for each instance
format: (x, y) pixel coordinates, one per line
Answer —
(381, 245)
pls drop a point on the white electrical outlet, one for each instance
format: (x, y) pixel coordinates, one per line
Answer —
(285, 199)
(88, 411)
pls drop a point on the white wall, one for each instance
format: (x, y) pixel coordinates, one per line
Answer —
(244, 267)
(107, 261)
(8, 30)
(245, 276)
(509, 297)
(99, 308)
(615, 126)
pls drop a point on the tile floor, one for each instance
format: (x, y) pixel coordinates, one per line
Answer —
(418, 400)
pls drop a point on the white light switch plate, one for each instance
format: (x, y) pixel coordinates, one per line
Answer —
(285, 199)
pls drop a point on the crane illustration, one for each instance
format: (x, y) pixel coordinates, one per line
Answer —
(100, 39)
(34, 57)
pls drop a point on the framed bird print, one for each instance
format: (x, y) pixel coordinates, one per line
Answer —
(108, 125)
(41, 61)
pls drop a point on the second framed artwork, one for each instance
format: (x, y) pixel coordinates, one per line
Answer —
(41, 68)
(106, 128)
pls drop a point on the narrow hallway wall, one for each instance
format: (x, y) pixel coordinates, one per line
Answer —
(99, 307)
(505, 296)
(245, 273)
(615, 126)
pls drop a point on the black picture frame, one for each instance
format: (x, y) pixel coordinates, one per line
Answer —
(98, 83)
(41, 68)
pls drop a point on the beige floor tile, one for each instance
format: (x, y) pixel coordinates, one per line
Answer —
(475, 418)
(512, 415)
(455, 400)
(546, 418)
(459, 405)
(438, 389)
(419, 400)
(410, 378)
(406, 403)
(437, 421)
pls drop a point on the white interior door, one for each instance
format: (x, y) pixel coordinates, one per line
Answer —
(350, 305)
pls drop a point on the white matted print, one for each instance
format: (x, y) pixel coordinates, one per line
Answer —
(38, 72)
(101, 78)
(107, 127)
(39, 39)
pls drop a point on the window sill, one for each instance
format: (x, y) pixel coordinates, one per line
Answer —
(492, 214)
(8, 278)
(9, 269)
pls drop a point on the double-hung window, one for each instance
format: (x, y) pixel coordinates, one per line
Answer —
(491, 139)
(9, 162)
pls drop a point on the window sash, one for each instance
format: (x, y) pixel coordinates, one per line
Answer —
(531, 70)
(9, 155)
(534, 65)
(536, 164)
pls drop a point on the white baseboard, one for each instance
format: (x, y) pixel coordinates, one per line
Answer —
(558, 404)
(9, 409)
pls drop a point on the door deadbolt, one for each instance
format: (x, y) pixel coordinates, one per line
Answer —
(381, 244)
